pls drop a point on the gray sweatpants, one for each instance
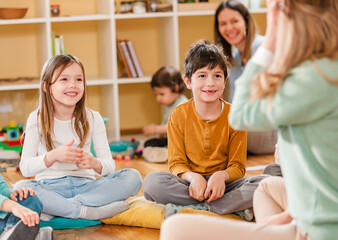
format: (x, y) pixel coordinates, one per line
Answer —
(162, 187)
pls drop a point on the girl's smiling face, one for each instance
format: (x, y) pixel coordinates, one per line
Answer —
(68, 88)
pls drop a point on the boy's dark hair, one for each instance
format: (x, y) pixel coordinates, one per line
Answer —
(204, 54)
(170, 77)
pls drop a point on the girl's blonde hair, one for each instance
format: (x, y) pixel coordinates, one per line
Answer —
(50, 73)
(307, 30)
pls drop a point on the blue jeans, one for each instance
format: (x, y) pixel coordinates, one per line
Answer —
(31, 202)
(65, 196)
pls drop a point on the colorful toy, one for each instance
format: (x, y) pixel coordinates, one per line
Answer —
(10, 146)
(126, 158)
(124, 148)
(10, 137)
(119, 157)
(139, 152)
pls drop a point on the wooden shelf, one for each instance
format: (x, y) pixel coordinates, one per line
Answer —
(134, 80)
(22, 21)
(74, 18)
(90, 33)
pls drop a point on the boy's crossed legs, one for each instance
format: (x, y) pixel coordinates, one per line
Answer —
(269, 199)
(165, 188)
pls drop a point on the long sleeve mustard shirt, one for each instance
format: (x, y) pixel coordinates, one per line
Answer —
(205, 146)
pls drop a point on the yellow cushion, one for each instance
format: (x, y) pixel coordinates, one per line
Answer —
(142, 213)
(195, 211)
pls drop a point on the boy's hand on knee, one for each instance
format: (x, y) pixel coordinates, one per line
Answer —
(216, 186)
(197, 187)
(22, 193)
(28, 217)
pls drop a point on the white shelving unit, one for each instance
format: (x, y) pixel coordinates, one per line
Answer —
(107, 25)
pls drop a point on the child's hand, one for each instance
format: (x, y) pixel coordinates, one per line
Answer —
(65, 154)
(28, 217)
(149, 130)
(216, 186)
(197, 187)
(89, 162)
(22, 192)
(272, 24)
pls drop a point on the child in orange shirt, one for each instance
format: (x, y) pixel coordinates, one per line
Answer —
(207, 157)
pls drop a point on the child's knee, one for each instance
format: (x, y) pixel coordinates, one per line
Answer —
(134, 176)
(25, 183)
(32, 202)
(133, 179)
(151, 182)
(269, 183)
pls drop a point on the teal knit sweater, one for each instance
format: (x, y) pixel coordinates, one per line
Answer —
(305, 112)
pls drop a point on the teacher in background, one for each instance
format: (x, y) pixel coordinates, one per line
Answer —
(235, 29)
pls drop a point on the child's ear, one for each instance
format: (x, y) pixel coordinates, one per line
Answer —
(187, 81)
(43, 86)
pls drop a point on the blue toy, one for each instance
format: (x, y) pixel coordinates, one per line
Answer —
(124, 148)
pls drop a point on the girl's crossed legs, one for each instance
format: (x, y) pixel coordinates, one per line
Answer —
(66, 196)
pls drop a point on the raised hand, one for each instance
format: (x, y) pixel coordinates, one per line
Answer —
(272, 23)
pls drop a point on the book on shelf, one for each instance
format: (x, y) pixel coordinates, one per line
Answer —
(123, 70)
(58, 46)
(135, 59)
(127, 53)
(62, 46)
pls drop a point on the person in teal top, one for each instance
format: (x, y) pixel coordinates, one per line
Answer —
(290, 84)
(298, 95)
(19, 213)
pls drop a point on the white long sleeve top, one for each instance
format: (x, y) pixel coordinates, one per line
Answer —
(34, 149)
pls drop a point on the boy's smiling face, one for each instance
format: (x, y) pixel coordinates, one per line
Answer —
(207, 85)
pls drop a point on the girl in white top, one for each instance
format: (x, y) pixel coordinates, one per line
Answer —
(57, 150)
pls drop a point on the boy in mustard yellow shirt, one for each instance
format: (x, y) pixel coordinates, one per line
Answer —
(207, 157)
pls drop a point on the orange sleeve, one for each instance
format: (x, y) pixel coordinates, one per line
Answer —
(178, 162)
(237, 155)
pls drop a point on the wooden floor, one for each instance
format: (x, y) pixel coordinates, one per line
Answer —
(112, 232)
